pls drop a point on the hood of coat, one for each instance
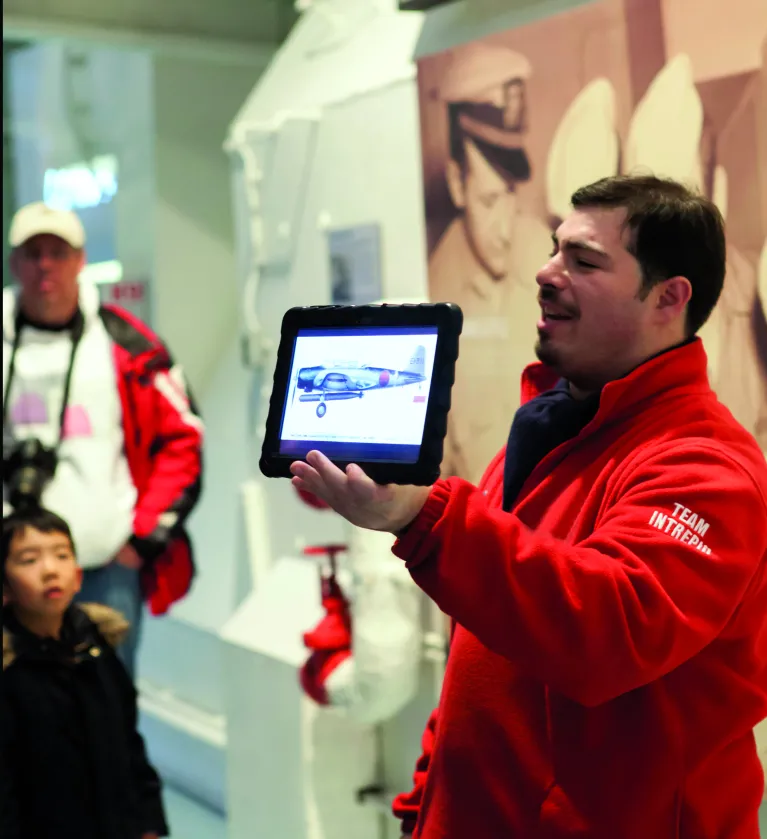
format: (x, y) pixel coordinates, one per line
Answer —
(110, 624)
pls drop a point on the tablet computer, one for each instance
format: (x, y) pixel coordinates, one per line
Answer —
(364, 384)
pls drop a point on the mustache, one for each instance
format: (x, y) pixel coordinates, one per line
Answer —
(548, 294)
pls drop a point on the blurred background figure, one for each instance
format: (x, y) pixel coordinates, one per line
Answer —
(484, 95)
(486, 258)
(97, 424)
(73, 762)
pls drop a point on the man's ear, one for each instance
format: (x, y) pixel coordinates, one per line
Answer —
(454, 177)
(673, 297)
(7, 596)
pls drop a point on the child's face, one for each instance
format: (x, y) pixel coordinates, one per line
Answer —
(41, 573)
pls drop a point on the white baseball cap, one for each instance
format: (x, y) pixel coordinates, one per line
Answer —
(38, 218)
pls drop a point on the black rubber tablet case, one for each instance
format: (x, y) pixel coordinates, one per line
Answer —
(448, 319)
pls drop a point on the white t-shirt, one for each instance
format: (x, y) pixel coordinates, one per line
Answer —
(92, 488)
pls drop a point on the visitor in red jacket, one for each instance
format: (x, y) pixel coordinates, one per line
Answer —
(95, 386)
(608, 580)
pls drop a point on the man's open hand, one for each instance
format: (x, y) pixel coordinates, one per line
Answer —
(357, 497)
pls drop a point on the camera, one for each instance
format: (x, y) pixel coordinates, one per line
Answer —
(26, 471)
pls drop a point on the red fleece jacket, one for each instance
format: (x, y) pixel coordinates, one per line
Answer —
(609, 657)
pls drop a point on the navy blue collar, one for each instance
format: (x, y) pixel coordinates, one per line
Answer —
(539, 427)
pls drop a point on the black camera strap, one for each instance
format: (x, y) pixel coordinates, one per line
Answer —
(76, 328)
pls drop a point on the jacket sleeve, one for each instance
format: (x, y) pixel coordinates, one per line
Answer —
(10, 826)
(673, 552)
(175, 481)
(147, 782)
(407, 804)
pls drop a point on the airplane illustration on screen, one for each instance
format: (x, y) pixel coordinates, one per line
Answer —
(327, 382)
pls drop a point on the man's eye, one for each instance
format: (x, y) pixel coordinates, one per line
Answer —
(581, 263)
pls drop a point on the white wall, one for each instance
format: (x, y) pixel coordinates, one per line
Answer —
(196, 303)
(195, 309)
(195, 288)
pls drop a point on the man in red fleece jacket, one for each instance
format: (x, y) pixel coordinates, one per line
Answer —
(608, 580)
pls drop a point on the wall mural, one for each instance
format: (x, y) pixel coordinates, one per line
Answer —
(612, 86)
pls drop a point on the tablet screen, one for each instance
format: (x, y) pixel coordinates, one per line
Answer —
(359, 394)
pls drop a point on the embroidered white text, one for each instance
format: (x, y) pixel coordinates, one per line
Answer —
(685, 525)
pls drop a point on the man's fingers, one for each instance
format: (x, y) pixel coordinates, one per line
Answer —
(334, 478)
(314, 487)
(320, 476)
(363, 486)
(302, 470)
(356, 474)
(309, 479)
(342, 490)
(322, 464)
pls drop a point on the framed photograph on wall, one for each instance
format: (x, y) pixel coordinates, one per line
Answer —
(355, 265)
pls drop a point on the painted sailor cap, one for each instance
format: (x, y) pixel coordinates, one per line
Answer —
(38, 218)
(485, 89)
(478, 73)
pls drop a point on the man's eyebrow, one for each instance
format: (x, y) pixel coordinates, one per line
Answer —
(579, 245)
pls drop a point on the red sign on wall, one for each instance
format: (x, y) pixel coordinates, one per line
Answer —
(132, 295)
(122, 293)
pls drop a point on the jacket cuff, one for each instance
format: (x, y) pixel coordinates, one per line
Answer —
(414, 544)
(148, 549)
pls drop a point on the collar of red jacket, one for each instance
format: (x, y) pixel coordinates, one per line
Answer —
(684, 368)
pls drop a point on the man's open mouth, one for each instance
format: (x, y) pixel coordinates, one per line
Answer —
(554, 314)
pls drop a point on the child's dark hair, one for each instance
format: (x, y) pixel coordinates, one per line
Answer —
(37, 518)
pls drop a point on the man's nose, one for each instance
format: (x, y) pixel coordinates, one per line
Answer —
(551, 274)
